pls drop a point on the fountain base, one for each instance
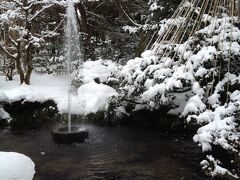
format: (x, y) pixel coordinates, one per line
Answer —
(63, 136)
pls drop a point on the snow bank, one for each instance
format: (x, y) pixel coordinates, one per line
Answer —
(96, 95)
(2, 96)
(89, 98)
(15, 166)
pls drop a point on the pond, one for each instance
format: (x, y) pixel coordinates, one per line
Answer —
(123, 152)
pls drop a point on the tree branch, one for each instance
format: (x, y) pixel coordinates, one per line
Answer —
(38, 12)
(19, 4)
(56, 28)
(12, 40)
(12, 56)
(128, 17)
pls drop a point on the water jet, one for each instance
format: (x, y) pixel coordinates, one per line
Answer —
(70, 133)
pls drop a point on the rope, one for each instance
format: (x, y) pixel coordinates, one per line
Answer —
(176, 32)
(173, 17)
(215, 62)
(230, 50)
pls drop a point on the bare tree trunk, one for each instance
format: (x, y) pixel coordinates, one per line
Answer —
(28, 75)
(20, 71)
(143, 43)
(9, 73)
(29, 65)
(83, 20)
(19, 63)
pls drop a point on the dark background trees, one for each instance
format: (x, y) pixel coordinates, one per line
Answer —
(109, 29)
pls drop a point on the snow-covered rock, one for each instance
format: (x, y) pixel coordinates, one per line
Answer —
(15, 166)
(4, 115)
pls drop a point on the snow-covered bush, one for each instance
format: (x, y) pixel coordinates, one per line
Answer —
(100, 71)
(212, 167)
(202, 63)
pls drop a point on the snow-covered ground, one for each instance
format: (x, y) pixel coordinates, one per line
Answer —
(89, 98)
(15, 166)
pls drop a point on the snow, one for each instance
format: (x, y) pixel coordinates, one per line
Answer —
(213, 168)
(15, 166)
(156, 78)
(4, 114)
(91, 97)
(130, 29)
(102, 69)
(194, 106)
(154, 7)
(2, 96)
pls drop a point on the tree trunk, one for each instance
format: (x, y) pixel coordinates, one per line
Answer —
(28, 75)
(83, 21)
(20, 71)
(29, 64)
(10, 74)
(143, 43)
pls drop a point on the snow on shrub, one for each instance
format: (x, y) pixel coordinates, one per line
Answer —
(212, 167)
(200, 64)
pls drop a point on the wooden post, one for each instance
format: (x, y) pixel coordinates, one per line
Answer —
(239, 10)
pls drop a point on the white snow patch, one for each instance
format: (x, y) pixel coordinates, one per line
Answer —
(102, 69)
(4, 114)
(15, 166)
(91, 97)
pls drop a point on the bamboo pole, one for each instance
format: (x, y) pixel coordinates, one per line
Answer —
(239, 10)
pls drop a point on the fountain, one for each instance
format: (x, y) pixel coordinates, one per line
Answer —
(70, 133)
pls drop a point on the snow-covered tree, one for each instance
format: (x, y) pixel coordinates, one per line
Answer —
(24, 35)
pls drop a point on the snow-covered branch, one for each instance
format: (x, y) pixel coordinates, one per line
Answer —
(128, 17)
(39, 12)
(12, 56)
(12, 40)
(18, 3)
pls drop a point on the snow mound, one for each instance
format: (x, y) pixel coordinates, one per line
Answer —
(2, 96)
(15, 166)
(90, 98)
(102, 69)
(4, 114)
(96, 95)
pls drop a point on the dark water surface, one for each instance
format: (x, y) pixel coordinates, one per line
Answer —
(109, 153)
